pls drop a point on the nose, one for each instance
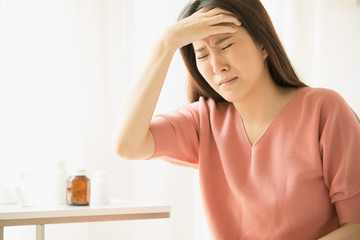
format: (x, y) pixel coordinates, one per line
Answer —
(219, 64)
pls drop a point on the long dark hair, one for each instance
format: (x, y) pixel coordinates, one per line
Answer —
(257, 22)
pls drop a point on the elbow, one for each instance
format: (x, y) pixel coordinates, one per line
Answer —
(133, 149)
(123, 150)
(122, 146)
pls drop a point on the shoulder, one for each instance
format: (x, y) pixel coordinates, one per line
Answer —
(211, 105)
(322, 97)
(199, 111)
(323, 94)
(328, 104)
(205, 107)
(208, 111)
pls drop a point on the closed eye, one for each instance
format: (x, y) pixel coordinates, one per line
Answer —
(227, 46)
(202, 57)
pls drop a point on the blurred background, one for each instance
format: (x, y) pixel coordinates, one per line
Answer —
(65, 66)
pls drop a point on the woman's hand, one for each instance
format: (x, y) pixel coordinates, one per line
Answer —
(203, 23)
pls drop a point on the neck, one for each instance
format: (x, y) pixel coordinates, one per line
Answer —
(263, 104)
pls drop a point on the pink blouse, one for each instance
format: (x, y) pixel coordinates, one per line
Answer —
(300, 180)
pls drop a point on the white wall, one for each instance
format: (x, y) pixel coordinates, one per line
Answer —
(321, 38)
(337, 50)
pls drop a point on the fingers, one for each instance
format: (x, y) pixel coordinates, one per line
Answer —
(224, 18)
(203, 23)
(222, 29)
(217, 16)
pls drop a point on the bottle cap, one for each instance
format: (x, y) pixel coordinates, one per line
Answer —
(79, 172)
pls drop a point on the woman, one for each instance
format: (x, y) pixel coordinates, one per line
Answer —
(276, 159)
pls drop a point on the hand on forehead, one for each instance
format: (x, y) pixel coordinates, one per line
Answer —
(219, 12)
(213, 12)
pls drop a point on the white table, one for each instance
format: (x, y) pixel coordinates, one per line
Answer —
(15, 215)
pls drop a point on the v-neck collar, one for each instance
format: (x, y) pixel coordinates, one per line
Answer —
(272, 123)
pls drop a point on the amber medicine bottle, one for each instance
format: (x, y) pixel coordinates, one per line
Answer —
(78, 189)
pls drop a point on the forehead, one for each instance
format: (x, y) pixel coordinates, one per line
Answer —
(212, 40)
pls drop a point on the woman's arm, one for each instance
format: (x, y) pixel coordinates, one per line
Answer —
(134, 139)
(349, 231)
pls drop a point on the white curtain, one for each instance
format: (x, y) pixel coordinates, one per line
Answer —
(65, 66)
(54, 84)
(321, 37)
(53, 93)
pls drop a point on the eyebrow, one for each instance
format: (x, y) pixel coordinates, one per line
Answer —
(218, 42)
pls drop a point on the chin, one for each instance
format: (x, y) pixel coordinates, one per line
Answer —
(232, 97)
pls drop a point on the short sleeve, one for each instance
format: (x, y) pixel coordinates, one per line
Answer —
(176, 136)
(340, 150)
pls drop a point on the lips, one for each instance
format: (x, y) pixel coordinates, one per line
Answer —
(227, 81)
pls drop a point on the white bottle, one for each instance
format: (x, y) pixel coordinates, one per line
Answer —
(99, 188)
(59, 183)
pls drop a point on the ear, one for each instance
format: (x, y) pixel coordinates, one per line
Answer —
(264, 52)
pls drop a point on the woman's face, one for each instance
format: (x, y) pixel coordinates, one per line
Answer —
(231, 63)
